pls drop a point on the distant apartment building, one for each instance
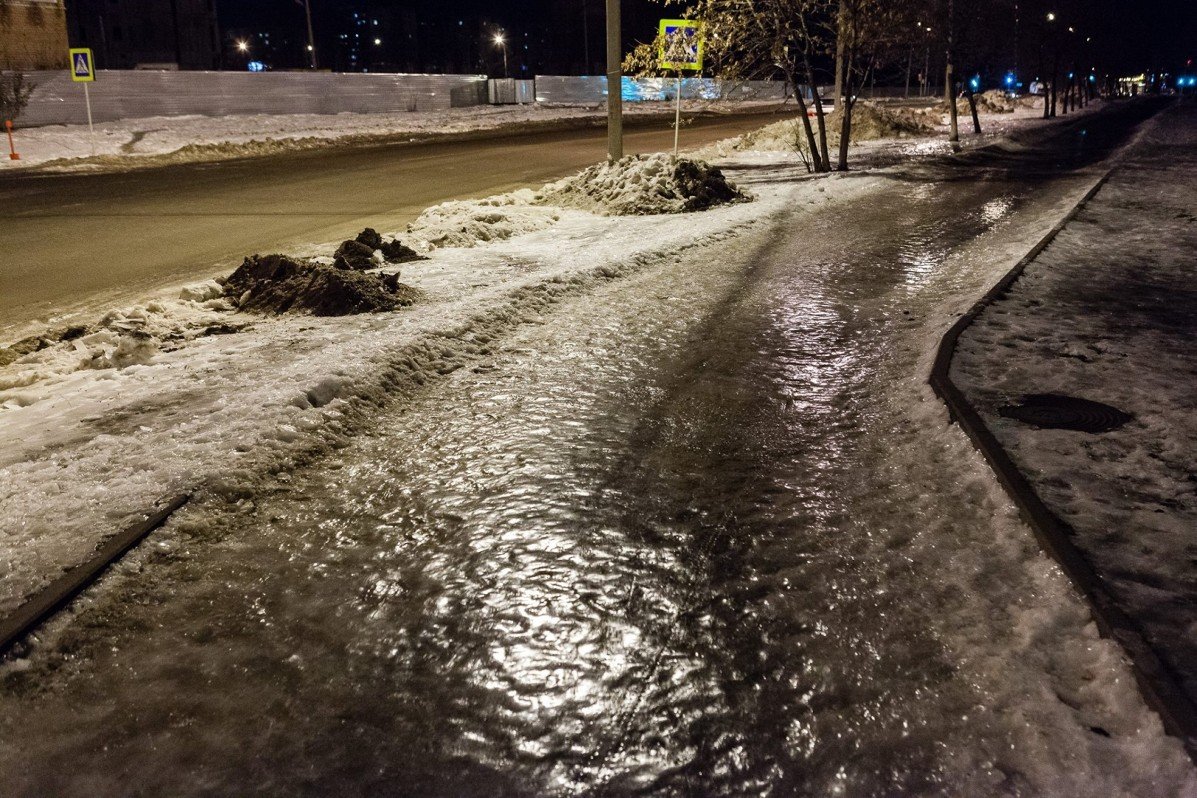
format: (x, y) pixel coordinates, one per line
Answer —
(147, 34)
(33, 34)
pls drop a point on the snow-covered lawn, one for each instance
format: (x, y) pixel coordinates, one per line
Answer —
(176, 139)
(1108, 313)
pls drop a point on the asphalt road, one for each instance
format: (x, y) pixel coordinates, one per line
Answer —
(69, 241)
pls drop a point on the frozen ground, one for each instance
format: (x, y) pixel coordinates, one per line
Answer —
(179, 139)
(1109, 313)
(652, 504)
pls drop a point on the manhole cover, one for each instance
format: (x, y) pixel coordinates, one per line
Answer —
(1053, 411)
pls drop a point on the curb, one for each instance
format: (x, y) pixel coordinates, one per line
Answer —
(1157, 682)
(59, 593)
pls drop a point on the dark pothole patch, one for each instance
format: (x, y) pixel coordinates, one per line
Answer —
(1056, 411)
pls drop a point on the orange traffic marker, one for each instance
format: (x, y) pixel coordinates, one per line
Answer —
(12, 151)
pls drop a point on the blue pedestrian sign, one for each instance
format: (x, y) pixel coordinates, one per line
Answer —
(83, 65)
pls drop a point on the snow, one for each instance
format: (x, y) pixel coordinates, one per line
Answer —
(177, 139)
(162, 397)
(644, 184)
(878, 128)
(466, 223)
(1107, 313)
(165, 397)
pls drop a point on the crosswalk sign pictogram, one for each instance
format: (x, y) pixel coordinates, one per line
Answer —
(83, 65)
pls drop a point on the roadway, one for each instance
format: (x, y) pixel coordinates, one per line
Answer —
(73, 242)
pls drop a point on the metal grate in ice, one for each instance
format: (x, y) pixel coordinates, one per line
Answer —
(1054, 411)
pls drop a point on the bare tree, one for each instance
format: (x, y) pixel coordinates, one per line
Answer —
(15, 90)
(747, 39)
(869, 33)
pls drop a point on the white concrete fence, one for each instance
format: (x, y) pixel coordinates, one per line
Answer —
(136, 94)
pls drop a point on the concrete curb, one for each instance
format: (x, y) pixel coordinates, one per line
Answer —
(59, 593)
(1159, 685)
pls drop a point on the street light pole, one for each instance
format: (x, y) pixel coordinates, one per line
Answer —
(307, 8)
(614, 83)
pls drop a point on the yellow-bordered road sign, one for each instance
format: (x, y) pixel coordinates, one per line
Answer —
(682, 44)
(83, 65)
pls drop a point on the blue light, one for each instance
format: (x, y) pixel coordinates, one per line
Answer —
(256, 66)
(1010, 79)
(975, 83)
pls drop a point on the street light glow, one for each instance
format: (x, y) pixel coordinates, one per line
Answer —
(377, 41)
(243, 46)
(499, 39)
(1051, 16)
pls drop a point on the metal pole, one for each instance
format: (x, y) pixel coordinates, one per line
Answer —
(614, 83)
(586, 36)
(506, 74)
(307, 7)
(91, 127)
(677, 117)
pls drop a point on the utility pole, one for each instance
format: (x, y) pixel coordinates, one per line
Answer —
(307, 7)
(586, 36)
(614, 82)
(950, 76)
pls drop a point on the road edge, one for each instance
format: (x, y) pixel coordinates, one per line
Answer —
(1158, 685)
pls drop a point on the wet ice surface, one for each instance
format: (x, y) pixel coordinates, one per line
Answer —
(1108, 313)
(702, 531)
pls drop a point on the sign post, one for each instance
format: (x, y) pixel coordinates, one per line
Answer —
(83, 70)
(681, 48)
(12, 150)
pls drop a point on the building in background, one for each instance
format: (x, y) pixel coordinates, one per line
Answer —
(147, 34)
(33, 34)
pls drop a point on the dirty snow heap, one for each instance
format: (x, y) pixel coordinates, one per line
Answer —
(642, 185)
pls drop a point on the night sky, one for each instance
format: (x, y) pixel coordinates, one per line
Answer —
(1132, 35)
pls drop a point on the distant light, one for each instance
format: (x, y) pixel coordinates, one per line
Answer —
(243, 45)
(256, 66)
(310, 48)
(1051, 16)
(499, 38)
(377, 41)
(975, 83)
(1010, 79)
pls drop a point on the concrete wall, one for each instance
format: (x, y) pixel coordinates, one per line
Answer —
(592, 90)
(133, 94)
(33, 34)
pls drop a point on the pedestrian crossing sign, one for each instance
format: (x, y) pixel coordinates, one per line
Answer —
(83, 65)
(680, 45)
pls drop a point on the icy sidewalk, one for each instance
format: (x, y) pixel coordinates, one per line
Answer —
(92, 433)
(183, 139)
(1108, 313)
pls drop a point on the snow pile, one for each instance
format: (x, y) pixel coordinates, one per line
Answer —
(642, 185)
(638, 185)
(870, 122)
(343, 285)
(278, 284)
(127, 337)
(466, 223)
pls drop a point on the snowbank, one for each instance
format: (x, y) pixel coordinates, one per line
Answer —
(635, 186)
(643, 184)
(466, 223)
(151, 141)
